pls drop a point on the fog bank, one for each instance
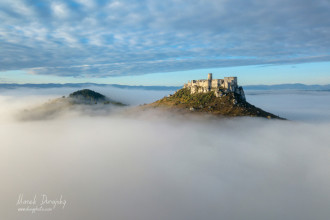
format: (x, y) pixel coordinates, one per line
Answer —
(308, 106)
(162, 166)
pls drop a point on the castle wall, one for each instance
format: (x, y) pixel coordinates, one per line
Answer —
(219, 86)
(230, 83)
(216, 85)
(199, 83)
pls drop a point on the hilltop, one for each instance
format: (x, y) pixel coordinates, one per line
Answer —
(223, 97)
(84, 100)
(229, 104)
(87, 96)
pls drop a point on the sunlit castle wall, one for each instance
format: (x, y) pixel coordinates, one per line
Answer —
(230, 83)
(196, 86)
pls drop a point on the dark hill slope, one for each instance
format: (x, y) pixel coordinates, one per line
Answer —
(87, 96)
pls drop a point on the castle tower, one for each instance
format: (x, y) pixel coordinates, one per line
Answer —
(209, 77)
(209, 81)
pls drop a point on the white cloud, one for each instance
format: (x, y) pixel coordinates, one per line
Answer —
(161, 166)
(115, 4)
(60, 10)
(69, 39)
(240, 32)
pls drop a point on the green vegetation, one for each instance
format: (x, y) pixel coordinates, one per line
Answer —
(87, 95)
(230, 104)
(183, 96)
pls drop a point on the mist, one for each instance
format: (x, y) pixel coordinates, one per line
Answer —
(298, 105)
(156, 165)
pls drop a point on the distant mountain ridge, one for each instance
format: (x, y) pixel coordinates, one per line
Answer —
(82, 85)
(295, 86)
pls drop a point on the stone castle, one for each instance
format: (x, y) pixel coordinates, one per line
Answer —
(219, 86)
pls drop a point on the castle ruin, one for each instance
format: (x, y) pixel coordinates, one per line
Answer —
(219, 86)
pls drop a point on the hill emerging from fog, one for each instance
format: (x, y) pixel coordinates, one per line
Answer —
(230, 104)
(84, 100)
(87, 96)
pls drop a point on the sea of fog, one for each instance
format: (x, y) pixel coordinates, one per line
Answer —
(159, 166)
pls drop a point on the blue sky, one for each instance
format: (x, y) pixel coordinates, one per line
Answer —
(151, 42)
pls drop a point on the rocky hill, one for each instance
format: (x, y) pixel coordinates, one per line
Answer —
(87, 96)
(230, 104)
(85, 101)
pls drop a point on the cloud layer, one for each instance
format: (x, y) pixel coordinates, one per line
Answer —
(86, 38)
(162, 166)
